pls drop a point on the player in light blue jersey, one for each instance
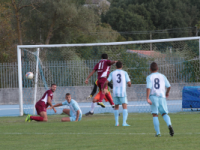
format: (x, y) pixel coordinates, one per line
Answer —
(156, 97)
(74, 112)
(120, 78)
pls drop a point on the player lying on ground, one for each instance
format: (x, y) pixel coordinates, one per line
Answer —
(74, 112)
(96, 98)
(119, 78)
(156, 97)
(42, 104)
(103, 69)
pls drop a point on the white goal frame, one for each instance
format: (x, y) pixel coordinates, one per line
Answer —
(19, 47)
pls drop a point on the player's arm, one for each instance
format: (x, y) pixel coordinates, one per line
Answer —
(167, 84)
(113, 62)
(49, 102)
(91, 73)
(77, 114)
(57, 105)
(148, 94)
(129, 84)
(149, 86)
(128, 80)
(167, 93)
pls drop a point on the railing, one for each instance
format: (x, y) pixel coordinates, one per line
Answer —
(74, 73)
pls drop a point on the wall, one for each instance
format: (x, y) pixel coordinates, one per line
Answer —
(79, 93)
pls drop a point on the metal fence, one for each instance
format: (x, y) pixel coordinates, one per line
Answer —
(74, 73)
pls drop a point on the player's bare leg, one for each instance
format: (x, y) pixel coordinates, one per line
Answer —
(156, 124)
(168, 122)
(125, 114)
(66, 119)
(116, 114)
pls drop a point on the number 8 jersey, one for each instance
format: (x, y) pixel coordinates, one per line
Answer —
(119, 78)
(157, 83)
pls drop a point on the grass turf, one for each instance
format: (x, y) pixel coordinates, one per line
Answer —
(99, 132)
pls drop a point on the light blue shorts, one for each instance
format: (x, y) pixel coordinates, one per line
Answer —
(73, 117)
(120, 100)
(159, 104)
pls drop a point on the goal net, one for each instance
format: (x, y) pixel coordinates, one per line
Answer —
(68, 65)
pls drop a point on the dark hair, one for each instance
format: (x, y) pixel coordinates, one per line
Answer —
(104, 56)
(53, 84)
(68, 94)
(119, 64)
(154, 66)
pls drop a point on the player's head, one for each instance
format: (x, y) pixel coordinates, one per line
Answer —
(119, 65)
(104, 56)
(153, 67)
(68, 97)
(53, 87)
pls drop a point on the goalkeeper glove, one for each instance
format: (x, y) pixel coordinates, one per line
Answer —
(89, 97)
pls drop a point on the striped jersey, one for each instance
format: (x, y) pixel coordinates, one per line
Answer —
(157, 83)
(120, 79)
(73, 105)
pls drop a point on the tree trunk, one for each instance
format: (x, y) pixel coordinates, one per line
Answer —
(50, 33)
(19, 32)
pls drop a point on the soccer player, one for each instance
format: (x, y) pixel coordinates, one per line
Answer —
(119, 78)
(74, 112)
(103, 69)
(156, 97)
(96, 98)
(42, 104)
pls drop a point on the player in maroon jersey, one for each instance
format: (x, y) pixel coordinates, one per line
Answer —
(103, 69)
(42, 104)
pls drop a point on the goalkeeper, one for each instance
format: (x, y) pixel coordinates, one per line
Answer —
(96, 98)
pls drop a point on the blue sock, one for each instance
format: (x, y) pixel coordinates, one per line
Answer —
(125, 115)
(156, 125)
(167, 119)
(116, 113)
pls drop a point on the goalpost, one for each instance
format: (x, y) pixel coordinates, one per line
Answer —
(68, 65)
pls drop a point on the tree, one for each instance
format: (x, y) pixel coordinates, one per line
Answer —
(17, 6)
(7, 35)
(142, 15)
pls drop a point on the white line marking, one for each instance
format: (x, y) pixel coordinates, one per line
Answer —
(190, 133)
(31, 107)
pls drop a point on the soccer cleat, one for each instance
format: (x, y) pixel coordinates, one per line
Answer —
(117, 125)
(101, 104)
(113, 106)
(171, 131)
(28, 118)
(89, 113)
(125, 125)
(157, 135)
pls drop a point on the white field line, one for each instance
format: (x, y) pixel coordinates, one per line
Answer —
(90, 106)
(18, 133)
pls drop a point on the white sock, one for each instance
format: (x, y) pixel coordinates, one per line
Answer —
(92, 107)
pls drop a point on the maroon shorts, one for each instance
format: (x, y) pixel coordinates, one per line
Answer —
(40, 106)
(101, 82)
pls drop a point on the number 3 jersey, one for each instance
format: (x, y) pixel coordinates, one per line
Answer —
(157, 83)
(119, 78)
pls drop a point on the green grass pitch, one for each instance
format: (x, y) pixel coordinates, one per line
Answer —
(99, 132)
